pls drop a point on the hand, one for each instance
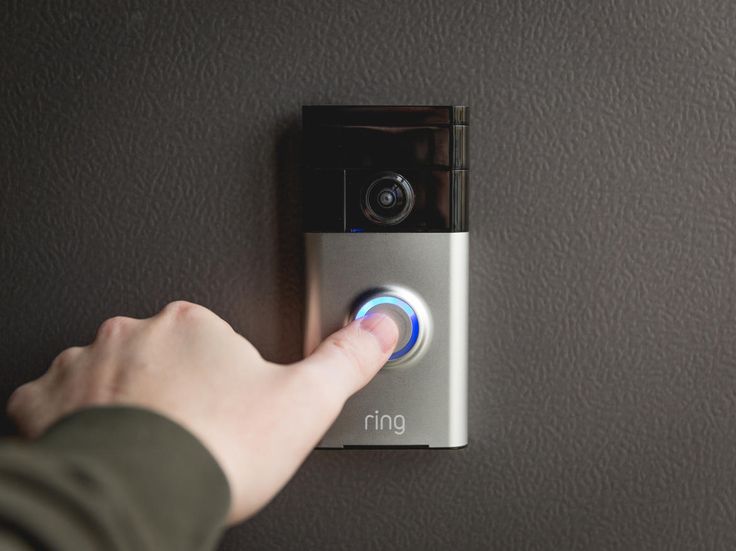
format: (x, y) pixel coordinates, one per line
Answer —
(258, 419)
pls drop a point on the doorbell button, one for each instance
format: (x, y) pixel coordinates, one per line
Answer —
(402, 314)
(408, 314)
(402, 321)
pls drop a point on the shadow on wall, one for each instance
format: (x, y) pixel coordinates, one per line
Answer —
(290, 290)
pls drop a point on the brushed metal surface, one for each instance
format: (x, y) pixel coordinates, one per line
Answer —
(429, 391)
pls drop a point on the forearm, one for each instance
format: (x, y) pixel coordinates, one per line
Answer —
(111, 478)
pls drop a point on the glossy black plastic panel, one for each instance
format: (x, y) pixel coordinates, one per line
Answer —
(374, 146)
(324, 200)
(347, 147)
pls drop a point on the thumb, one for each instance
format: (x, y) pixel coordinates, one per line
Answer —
(351, 357)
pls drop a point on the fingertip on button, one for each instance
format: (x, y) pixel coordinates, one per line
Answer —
(383, 327)
(403, 315)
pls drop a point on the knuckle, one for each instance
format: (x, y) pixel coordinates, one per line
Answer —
(113, 326)
(184, 309)
(178, 307)
(190, 312)
(21, 402)
(65, 358)
(17, 400)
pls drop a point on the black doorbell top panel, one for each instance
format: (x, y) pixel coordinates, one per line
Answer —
(385, 168)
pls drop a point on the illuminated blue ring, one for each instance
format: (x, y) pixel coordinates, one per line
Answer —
(408, 310)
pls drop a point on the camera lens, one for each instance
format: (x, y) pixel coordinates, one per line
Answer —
(388, 199)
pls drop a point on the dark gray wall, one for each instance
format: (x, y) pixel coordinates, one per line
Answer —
(149, 153)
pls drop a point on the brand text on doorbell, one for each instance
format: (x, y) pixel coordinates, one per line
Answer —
(385, 195)
(378, 421)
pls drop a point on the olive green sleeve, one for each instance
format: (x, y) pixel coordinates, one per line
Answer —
(117, 478)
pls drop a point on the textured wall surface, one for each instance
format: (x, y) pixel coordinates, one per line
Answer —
(148, 152)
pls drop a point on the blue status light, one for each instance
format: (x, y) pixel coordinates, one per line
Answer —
(408, 310)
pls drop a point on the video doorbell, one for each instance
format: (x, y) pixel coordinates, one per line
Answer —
(386, 229)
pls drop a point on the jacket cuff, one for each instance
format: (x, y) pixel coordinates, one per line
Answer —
(170, 484)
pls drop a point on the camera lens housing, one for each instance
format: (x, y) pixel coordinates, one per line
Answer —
(388, 199)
